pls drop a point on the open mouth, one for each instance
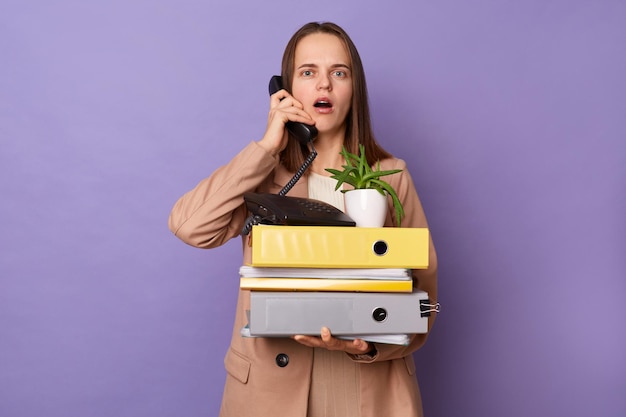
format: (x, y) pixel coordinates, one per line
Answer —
(323, 104)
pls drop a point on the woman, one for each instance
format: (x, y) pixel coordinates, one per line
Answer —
(308, 375)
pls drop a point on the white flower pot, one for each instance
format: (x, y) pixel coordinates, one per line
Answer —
(368, 208)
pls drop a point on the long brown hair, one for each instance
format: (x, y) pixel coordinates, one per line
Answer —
(358, 123)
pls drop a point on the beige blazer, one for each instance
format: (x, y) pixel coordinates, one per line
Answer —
(271, 376)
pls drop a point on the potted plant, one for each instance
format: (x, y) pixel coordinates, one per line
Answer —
(360, 175)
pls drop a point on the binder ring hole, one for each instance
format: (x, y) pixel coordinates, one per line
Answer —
(379, 314)
(380, 247)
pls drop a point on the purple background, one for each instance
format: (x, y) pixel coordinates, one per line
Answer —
(511, 115)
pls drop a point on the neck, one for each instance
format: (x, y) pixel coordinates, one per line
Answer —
(328, 154)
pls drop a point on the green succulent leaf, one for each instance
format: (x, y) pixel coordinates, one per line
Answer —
(397, 204)
(360, 175)
(342, 176)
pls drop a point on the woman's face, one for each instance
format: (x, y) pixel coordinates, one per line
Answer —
(322, 80)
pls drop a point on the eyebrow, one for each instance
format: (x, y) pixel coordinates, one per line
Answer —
(346, 66)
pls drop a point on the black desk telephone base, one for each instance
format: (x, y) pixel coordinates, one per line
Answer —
(294, 211)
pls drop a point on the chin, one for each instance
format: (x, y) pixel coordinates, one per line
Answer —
(323, 126)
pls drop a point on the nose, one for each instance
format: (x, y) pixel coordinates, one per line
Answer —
(323, 82)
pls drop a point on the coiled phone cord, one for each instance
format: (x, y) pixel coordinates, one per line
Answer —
(305, 165)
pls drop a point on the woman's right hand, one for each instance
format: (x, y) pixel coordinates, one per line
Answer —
(283, 108)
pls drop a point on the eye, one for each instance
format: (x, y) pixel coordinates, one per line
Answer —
(339, 74)
(307, 73)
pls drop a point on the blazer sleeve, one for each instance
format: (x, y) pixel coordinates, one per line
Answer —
(214, 211)
(423, 279)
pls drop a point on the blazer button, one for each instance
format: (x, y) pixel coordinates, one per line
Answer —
(282, 360)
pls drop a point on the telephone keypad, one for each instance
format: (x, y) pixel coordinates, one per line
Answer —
(314, 206)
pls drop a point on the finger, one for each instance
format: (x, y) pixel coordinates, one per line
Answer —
(310, 341)
(279, 95)
(325, 334)
(328, 339)
(360, 345)
(283, 99)
(333, 343)
(289, 103)
(282, 93)
(292, 114)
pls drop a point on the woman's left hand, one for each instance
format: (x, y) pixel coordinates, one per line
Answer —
(327, 341)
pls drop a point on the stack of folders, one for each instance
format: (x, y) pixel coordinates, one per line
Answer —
(356, 281)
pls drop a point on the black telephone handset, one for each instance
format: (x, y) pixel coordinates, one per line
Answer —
(295, 211)
(303, 132)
